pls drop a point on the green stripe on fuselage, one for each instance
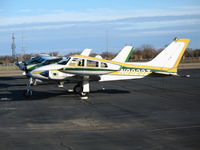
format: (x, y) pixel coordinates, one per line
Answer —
(87, 69)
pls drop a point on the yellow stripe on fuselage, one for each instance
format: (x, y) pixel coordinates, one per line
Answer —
(125, 64)
(131, 66)
(36, 72)
(173, 69)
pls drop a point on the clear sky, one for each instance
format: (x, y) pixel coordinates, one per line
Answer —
(66, 26)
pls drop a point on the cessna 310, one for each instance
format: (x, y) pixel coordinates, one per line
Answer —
(83, 69)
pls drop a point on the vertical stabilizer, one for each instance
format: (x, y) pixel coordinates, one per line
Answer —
(86, 52)
(170, 57)
(124, 54)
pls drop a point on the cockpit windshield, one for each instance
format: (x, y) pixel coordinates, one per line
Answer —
(34, 60)
(64, 61)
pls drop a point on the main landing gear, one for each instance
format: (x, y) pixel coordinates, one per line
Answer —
(79, 90)
(82, 88)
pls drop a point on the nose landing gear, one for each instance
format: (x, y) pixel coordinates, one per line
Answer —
(28, 92)
(81, 88)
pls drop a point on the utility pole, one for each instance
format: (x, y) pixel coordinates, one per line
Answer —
(23, 48)
(107, 43)
(13, 46)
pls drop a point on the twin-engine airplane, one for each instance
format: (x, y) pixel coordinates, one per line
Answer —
(55, 72)
(83, 69)
(42, 60)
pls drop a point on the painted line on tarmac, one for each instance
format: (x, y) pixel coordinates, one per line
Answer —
(175, 128)
(5, 99)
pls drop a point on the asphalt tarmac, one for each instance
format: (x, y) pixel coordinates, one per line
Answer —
(154, 114)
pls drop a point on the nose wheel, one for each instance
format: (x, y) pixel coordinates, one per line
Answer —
(29, 92)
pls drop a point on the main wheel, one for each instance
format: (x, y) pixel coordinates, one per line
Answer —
(78, 88)
(28, 93)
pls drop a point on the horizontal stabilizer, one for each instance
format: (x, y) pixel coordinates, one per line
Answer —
(165, 73)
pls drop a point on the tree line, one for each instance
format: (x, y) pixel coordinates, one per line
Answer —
(143, 53)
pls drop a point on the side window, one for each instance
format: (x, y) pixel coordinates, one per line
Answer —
(77, 62)
(81, 62)
(104, 65)
(91, 63)
(73, 62)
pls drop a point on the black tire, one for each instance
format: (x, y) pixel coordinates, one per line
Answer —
(28, 93)
(78, 88)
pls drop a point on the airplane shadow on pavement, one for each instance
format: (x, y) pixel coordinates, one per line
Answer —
(17, 95)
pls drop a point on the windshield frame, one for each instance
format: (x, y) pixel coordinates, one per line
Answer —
(64, 61)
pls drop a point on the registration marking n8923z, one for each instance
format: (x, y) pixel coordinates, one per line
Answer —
(135, 71)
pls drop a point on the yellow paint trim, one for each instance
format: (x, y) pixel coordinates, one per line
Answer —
(37, 72)
(173, 69)
(119, 63)
(125, 64)
(186, 41)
